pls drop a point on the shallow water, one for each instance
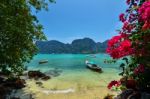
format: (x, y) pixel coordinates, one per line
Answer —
(69, 61)
(74, 74)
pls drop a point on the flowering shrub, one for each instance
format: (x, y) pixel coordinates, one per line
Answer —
(139, 69)
(134, 41)
(122, 17)
(114, 85)
(144, 14)
(119, 46)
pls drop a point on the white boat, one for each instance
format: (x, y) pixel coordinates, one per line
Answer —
(93, 66)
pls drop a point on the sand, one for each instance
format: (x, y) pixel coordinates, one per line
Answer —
(79, 85)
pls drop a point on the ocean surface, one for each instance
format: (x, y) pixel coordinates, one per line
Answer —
(68, 71)
(70, 62)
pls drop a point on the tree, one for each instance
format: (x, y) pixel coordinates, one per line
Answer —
(19, 28)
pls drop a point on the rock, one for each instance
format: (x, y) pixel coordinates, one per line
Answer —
(15, 98)
(1, 80)
(20, 83)
(5, 74)
(135, 95)
(9, 85)
(130, 94)
(4, 91)
(46, 78)
(39, 83)
(125, 94)
(20, 94)
(38, 75)
(15, 83)
(35, 74)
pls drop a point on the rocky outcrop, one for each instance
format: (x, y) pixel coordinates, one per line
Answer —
(6, 86)
(133, 94)
(16, 83)
(37, 75)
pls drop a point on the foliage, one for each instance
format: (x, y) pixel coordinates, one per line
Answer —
(133, 40)
(19, 28)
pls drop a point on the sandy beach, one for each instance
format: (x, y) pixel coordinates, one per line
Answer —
(79, 85)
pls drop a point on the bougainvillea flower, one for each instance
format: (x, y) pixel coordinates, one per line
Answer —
(122, 17)
(139, 69)
(114, 83)
(146, 26)
(127, 27)
(144, 15)
(128, 1)
(118, 48)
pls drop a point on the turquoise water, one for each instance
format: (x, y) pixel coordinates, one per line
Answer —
(69, 62)
(74, 73)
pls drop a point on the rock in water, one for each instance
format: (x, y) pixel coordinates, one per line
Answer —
(37, 75)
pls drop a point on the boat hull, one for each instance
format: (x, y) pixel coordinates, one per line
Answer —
(96, 69)
(44, 61)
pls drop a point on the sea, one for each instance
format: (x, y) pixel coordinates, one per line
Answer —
(71, 62)
(69, 70)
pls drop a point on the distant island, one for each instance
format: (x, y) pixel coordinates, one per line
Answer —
(78, 46)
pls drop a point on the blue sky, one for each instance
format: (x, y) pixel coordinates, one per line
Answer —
(72, 19)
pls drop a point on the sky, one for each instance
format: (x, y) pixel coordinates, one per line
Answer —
(75, 19)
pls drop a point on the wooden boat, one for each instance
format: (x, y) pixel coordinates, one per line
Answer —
(43, 61)
(93, 67)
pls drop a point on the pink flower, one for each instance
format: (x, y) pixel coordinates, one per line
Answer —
(146, 26)
(122, 17)
(144, 15)
(127, 27)
(132, 17)
(139, 69)
(128, 1)
(114, 83)
(119, 46)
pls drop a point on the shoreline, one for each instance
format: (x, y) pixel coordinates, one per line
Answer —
(72, 86)
(80, 93)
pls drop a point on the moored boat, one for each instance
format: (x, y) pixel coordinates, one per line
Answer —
(93, 67)
(43, 61)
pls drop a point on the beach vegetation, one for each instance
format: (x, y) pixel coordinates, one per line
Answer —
(19, 29)
(134, 41)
